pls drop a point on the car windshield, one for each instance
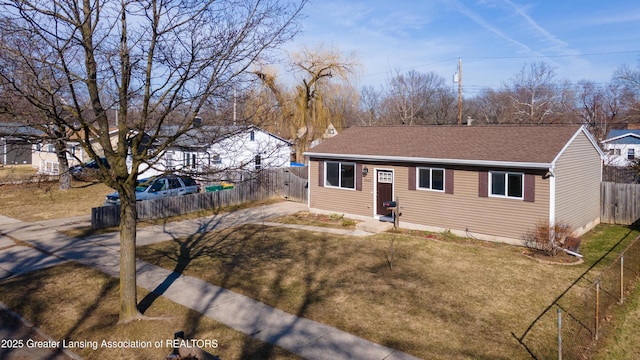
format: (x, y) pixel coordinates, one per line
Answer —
(143, 184)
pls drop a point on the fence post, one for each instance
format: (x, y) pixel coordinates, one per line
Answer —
(559, 333)
(597, 308)
(621, 278)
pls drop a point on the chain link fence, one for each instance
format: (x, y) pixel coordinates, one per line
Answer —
(570, 325)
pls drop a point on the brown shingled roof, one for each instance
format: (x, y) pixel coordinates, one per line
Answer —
(521, 144)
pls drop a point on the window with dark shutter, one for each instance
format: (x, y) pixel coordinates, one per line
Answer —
(506, 185)
(340, 175)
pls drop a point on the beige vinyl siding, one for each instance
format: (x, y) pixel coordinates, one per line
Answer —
(344, 201)
(462, 210)
(577, 173)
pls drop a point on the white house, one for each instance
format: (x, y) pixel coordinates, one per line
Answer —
(203, 149)
(45, 159)
(230, 149)
(622, 147)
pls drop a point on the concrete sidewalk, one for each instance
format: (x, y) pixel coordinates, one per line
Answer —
(307, 338)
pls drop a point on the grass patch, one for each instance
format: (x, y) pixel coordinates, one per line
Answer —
(10, 173)
(337, 221)
(74, 302)
(623, 341)
(599, 241)
(443, 299)
(45, 201)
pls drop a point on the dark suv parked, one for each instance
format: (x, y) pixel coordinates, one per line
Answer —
(87, 171)
(159, 187)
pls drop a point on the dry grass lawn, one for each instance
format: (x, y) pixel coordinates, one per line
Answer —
(337, 221)
(9, 173)
(76, 303)
(442, 299)
(44, 200)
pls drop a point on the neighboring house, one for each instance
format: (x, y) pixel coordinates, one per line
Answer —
(329, 132)
(45, 159)
(44, 155)
(622, 147)
(202, 149)
(16, 141)
(493, 183)
(233, 149)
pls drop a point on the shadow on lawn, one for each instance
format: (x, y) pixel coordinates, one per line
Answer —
(239, 252)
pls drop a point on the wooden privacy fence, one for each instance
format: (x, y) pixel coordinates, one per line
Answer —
(267, 184)
(620, 203)
(289, 183)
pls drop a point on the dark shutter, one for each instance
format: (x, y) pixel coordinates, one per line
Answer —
(412, 177)
(358, 177)
(448, 181)
(483, 184)
(320, 173)
(529, 187)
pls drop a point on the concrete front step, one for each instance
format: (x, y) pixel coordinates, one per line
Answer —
(374, 226)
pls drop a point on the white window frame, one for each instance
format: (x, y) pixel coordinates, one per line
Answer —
(216, 159)
(430, 188)
(190, 160)
(257, 162)
(631, 154)
(506, 184)
(340, 164)
(385, 177)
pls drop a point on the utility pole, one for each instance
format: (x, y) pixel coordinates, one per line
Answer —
(459, 91)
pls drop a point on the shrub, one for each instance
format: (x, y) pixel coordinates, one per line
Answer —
(546, 238)
(334, 216)
(348, 222)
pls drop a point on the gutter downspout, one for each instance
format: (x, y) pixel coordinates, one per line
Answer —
(552, 198)
(309, 185)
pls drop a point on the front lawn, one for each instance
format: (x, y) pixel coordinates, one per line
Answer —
(440, 299)
(80, 304)
(45, 201)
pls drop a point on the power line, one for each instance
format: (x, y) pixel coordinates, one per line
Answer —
(554, 56)
(509, 58)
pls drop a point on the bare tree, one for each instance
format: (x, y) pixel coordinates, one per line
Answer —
(370, 105)
(492, 107)
(33, 93)
(305, 109)
(591, 107)
(417, 98)
(162, 60)
(533, 93)
(341, 100)
(628, 79)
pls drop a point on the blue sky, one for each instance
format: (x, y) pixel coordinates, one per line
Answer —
(495, 38)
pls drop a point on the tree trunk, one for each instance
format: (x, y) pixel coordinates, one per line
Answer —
(128, 284)
(63, 164)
